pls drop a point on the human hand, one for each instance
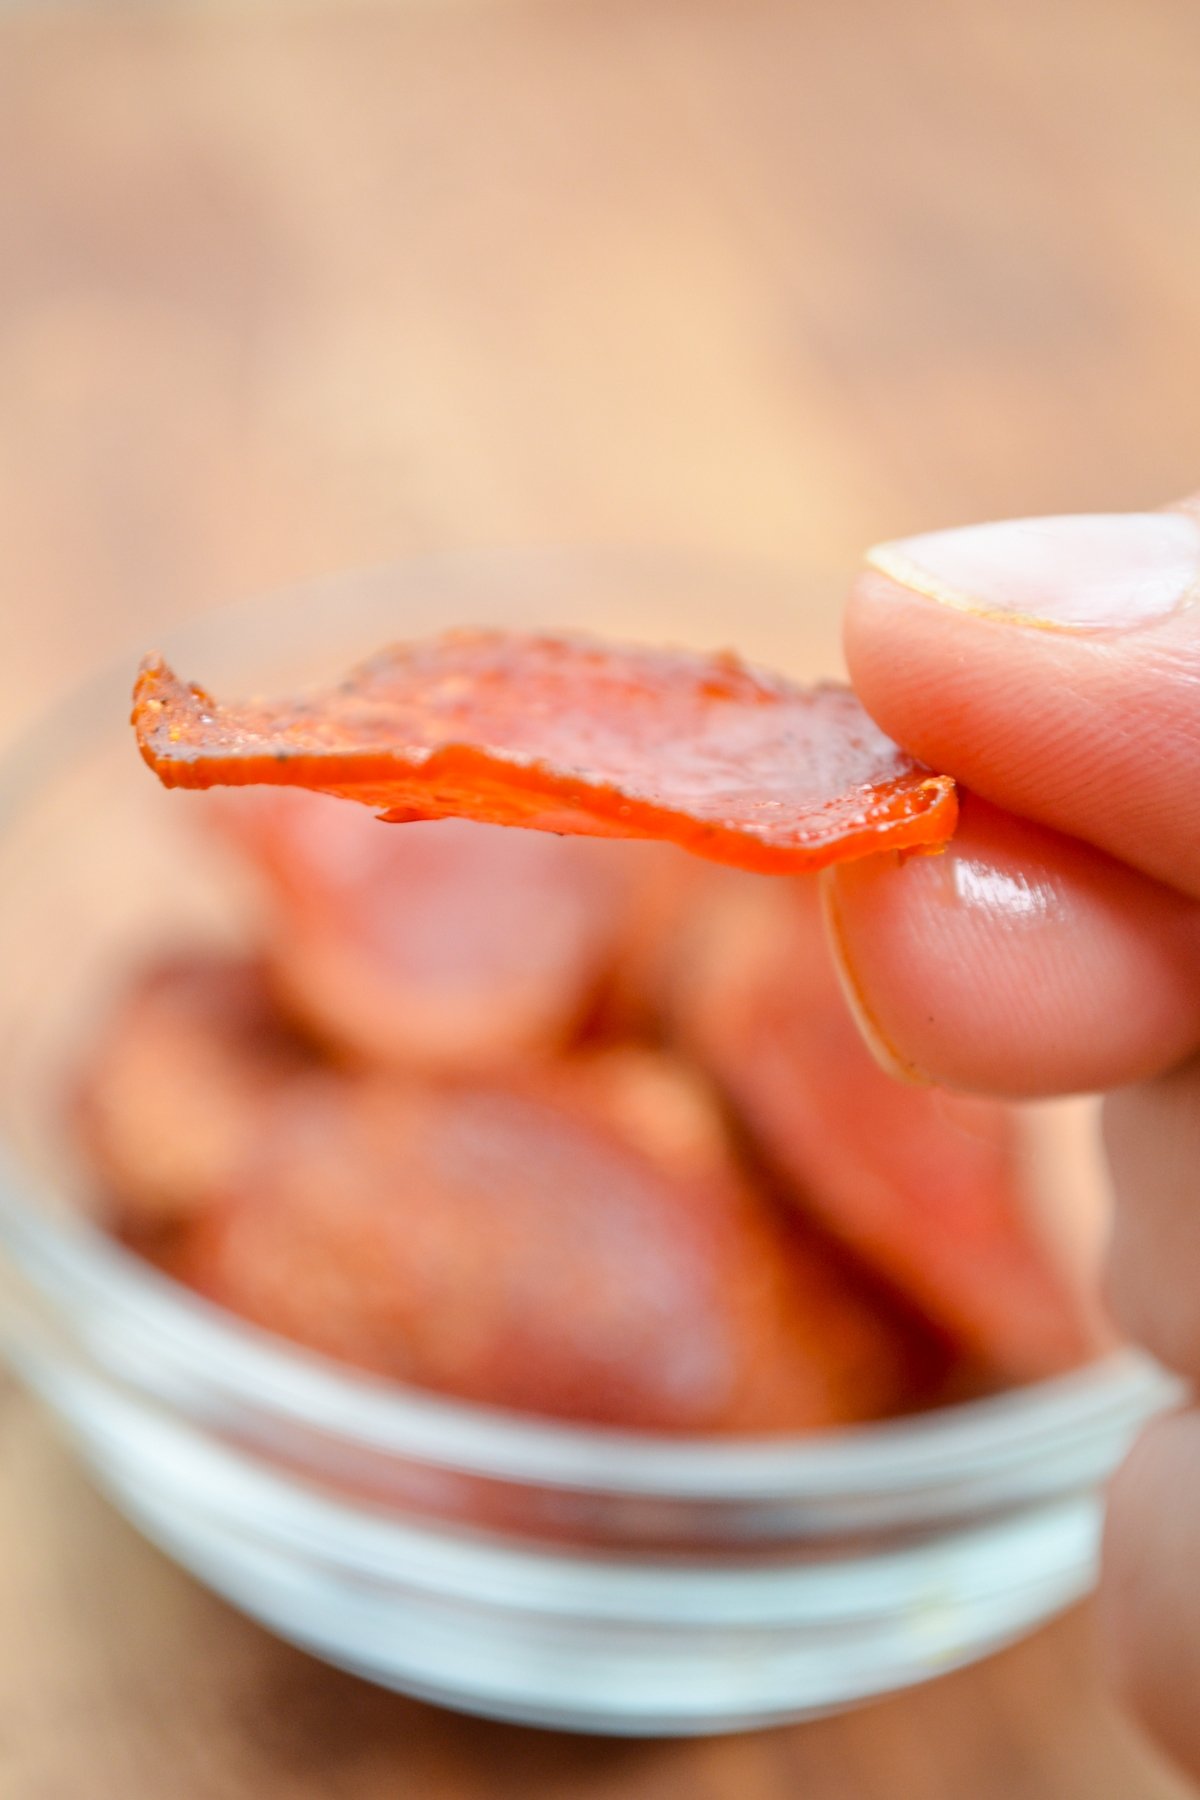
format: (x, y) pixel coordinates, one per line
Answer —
(1053, 666)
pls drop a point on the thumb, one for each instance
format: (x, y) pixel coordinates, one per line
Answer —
(1053, 666)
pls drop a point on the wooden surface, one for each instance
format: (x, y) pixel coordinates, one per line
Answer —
(286, 289)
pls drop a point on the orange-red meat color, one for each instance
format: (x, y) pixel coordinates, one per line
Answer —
(575, 1241)
(452, 946)
(165, 1102)
(568, 734)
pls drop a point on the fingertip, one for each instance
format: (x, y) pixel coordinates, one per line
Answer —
(913, 669)
(887, 1054)
(1061, 686)
(884, 632)
(1017, 963)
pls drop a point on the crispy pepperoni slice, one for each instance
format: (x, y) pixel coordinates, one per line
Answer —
(945, 1195)
(507, 1243)
(571, 735)
(453, 946)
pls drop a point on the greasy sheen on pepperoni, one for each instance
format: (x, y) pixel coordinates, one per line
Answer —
(572, 735)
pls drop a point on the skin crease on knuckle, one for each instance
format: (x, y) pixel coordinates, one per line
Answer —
(1149, 1604)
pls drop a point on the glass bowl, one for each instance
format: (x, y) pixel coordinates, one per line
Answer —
(555, 1574)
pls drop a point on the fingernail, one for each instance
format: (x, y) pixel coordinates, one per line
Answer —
(878, 1043)
(1090, 572)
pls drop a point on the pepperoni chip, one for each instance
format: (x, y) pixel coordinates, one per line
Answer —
(451, 947)
(570, 735)
(165, 1101)
(508, 1245)
(938, 1192)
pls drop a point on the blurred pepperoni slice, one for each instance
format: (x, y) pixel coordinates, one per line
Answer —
(567, 734)
(507, 1244)
(945, 1195)
(452, 947)
(165, 1100)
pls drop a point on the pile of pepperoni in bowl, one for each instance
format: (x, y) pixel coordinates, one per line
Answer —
(575, 1127)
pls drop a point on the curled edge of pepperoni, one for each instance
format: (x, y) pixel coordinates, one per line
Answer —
(573, 735)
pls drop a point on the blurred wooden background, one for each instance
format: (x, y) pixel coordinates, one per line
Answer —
(285, 289)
